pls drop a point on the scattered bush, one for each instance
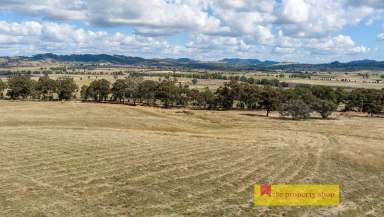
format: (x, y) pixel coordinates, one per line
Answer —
(66, 88)
(3, 86)
(325, 107)
(20, 87)
(297, 109)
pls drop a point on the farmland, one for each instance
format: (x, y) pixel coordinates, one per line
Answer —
(86, 159)
(84, 75)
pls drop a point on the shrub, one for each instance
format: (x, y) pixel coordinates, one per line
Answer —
(66, 88)
(194, 81)
(296, 108)
(20, 87)
(324, 107)
(3, 85)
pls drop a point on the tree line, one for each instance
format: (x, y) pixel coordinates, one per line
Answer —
(214, 76)
(23, 87)
(298, 102)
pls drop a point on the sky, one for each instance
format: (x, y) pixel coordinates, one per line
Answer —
(306, 31)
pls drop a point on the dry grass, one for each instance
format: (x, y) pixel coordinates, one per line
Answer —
(74, 159)
(358, 84)
(356, 79)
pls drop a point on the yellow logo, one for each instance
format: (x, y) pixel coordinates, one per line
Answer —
(297, 195)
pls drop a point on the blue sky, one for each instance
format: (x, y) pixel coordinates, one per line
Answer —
(310, 31)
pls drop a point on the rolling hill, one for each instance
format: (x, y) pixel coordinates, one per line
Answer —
(224, 64)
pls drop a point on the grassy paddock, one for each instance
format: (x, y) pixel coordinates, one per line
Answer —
(75, 159)
(356, 79)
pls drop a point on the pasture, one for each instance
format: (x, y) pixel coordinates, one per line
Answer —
(348, 80)
(78, 159)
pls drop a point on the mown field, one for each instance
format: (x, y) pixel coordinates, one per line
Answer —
(77, 159)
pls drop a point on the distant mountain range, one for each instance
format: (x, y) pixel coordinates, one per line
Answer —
(255, 62)
(224, 64)
(336, 66)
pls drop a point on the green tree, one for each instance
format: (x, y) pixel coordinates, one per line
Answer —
(193, 96)
(167, 92)
(206, 99)
(119, 90)
(99, 90)
(325, 107)
(123, 89)
(227, 94)
(341, 95)
(66, 87)
(269, 99)
(304, 93)
(224, 97)
(3, 86)
(20, 87)
(182, 94)
(131, 90)
(250, 96)
(194, 81)
(147, 91)
(34, 93)
(46, 87)
(324, 93)
(84, 93)
(365, 100)
(296, 108)
(373, 108)
(355, 100)
(374, 102)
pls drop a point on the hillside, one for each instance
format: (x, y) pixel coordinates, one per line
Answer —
(224, 64)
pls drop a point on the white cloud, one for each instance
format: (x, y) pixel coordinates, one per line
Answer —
(326, 48)
(381, 36)
(318, 18)
(283, 50)
(204, 42)
(299, 18)
(340, 44)
(20, 29)
(154, 17)
(368, 3)
(295, 11)
(35, 37)
(61, 9)
(245, 19)
(359, 49)
(211, 47)
(343, 40)
(215, 27)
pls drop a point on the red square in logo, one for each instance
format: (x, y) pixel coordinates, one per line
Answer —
(265, 190)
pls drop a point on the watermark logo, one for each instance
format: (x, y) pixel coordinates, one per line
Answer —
(296, 195)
